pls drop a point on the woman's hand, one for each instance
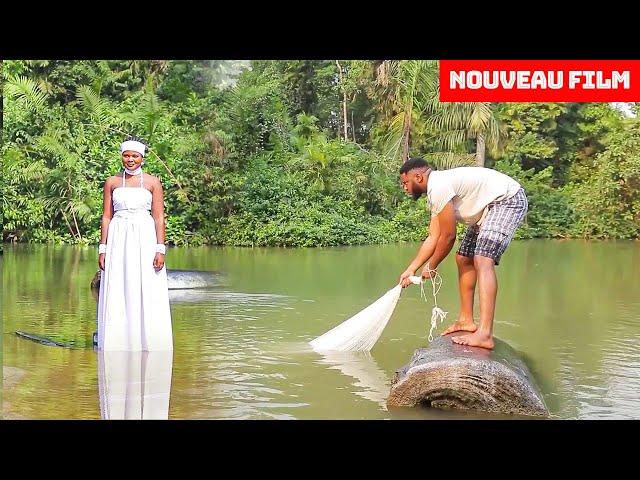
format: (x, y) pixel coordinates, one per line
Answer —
(158, 261)
(101, 261)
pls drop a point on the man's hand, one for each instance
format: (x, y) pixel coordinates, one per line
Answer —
(428, 273)
(158, 261)
(101, 261)
(404, 278)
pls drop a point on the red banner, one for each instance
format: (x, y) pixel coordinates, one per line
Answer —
(540, 80)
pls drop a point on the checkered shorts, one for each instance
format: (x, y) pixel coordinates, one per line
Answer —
(492, 238)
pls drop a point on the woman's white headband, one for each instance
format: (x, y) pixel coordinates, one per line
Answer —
(133, 146)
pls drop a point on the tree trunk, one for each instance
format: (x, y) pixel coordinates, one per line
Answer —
(406, 134)
(353, 128)
(480, 151)
(67, 222)
(449, 376)
(76, 224)
(345, 118)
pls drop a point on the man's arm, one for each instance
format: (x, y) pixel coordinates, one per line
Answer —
(447, 235)
(426, 250)
(428, 246)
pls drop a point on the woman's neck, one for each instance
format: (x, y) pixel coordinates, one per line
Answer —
(137, 171)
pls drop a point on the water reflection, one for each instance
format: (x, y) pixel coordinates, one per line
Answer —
(134, 385)
(372, 382)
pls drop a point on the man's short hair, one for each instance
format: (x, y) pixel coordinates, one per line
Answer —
(414, 163)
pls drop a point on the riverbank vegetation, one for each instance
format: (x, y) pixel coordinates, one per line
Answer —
(296, 153)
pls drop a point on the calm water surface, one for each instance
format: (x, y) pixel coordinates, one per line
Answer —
(572, 308)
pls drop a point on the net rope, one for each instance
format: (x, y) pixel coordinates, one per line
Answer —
(436, 313)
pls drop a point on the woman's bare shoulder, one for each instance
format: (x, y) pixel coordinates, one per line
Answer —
(113, 180)
(152, 179)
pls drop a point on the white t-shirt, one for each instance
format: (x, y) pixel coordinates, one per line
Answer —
(470, 189)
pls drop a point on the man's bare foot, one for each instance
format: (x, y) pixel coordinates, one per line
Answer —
(476, 339)
(461, 325)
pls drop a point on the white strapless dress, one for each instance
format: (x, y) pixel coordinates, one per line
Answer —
(133, 304)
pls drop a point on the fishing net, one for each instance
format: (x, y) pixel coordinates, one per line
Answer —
(363, 330)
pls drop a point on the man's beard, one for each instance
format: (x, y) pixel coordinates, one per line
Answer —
(416, 195)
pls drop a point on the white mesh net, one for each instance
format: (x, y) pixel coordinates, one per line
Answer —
(363, 330)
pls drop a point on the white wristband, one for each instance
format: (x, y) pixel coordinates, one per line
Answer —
(160, 248)
(102, 248)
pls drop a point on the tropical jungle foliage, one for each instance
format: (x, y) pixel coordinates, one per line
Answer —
(295, 153)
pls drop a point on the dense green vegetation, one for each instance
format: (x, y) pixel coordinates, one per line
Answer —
(295, 153)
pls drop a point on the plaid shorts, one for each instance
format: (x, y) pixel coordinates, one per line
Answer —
(492, 238)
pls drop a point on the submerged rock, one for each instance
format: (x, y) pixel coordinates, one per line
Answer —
(41, 340)
(95, 281)
(179, 279)
(182, 279)
(451, 376)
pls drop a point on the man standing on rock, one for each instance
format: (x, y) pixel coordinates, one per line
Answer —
(492, 205)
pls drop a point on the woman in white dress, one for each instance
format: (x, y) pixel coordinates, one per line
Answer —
(133, 303)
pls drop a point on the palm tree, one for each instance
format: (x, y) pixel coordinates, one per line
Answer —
(458, 122)
(412, 86)
(66, 187)
(19, 174)
(407, 85)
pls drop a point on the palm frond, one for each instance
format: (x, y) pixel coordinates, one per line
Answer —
(26, 91)
(392, 140)
(447, 160)
(51, 143)
(80, 209)
(451, 140)
(480, 117)
(97, 108)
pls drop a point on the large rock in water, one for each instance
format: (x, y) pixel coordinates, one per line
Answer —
(451, 376)
(179, 279)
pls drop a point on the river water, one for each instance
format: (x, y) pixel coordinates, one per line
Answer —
(571, 308)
